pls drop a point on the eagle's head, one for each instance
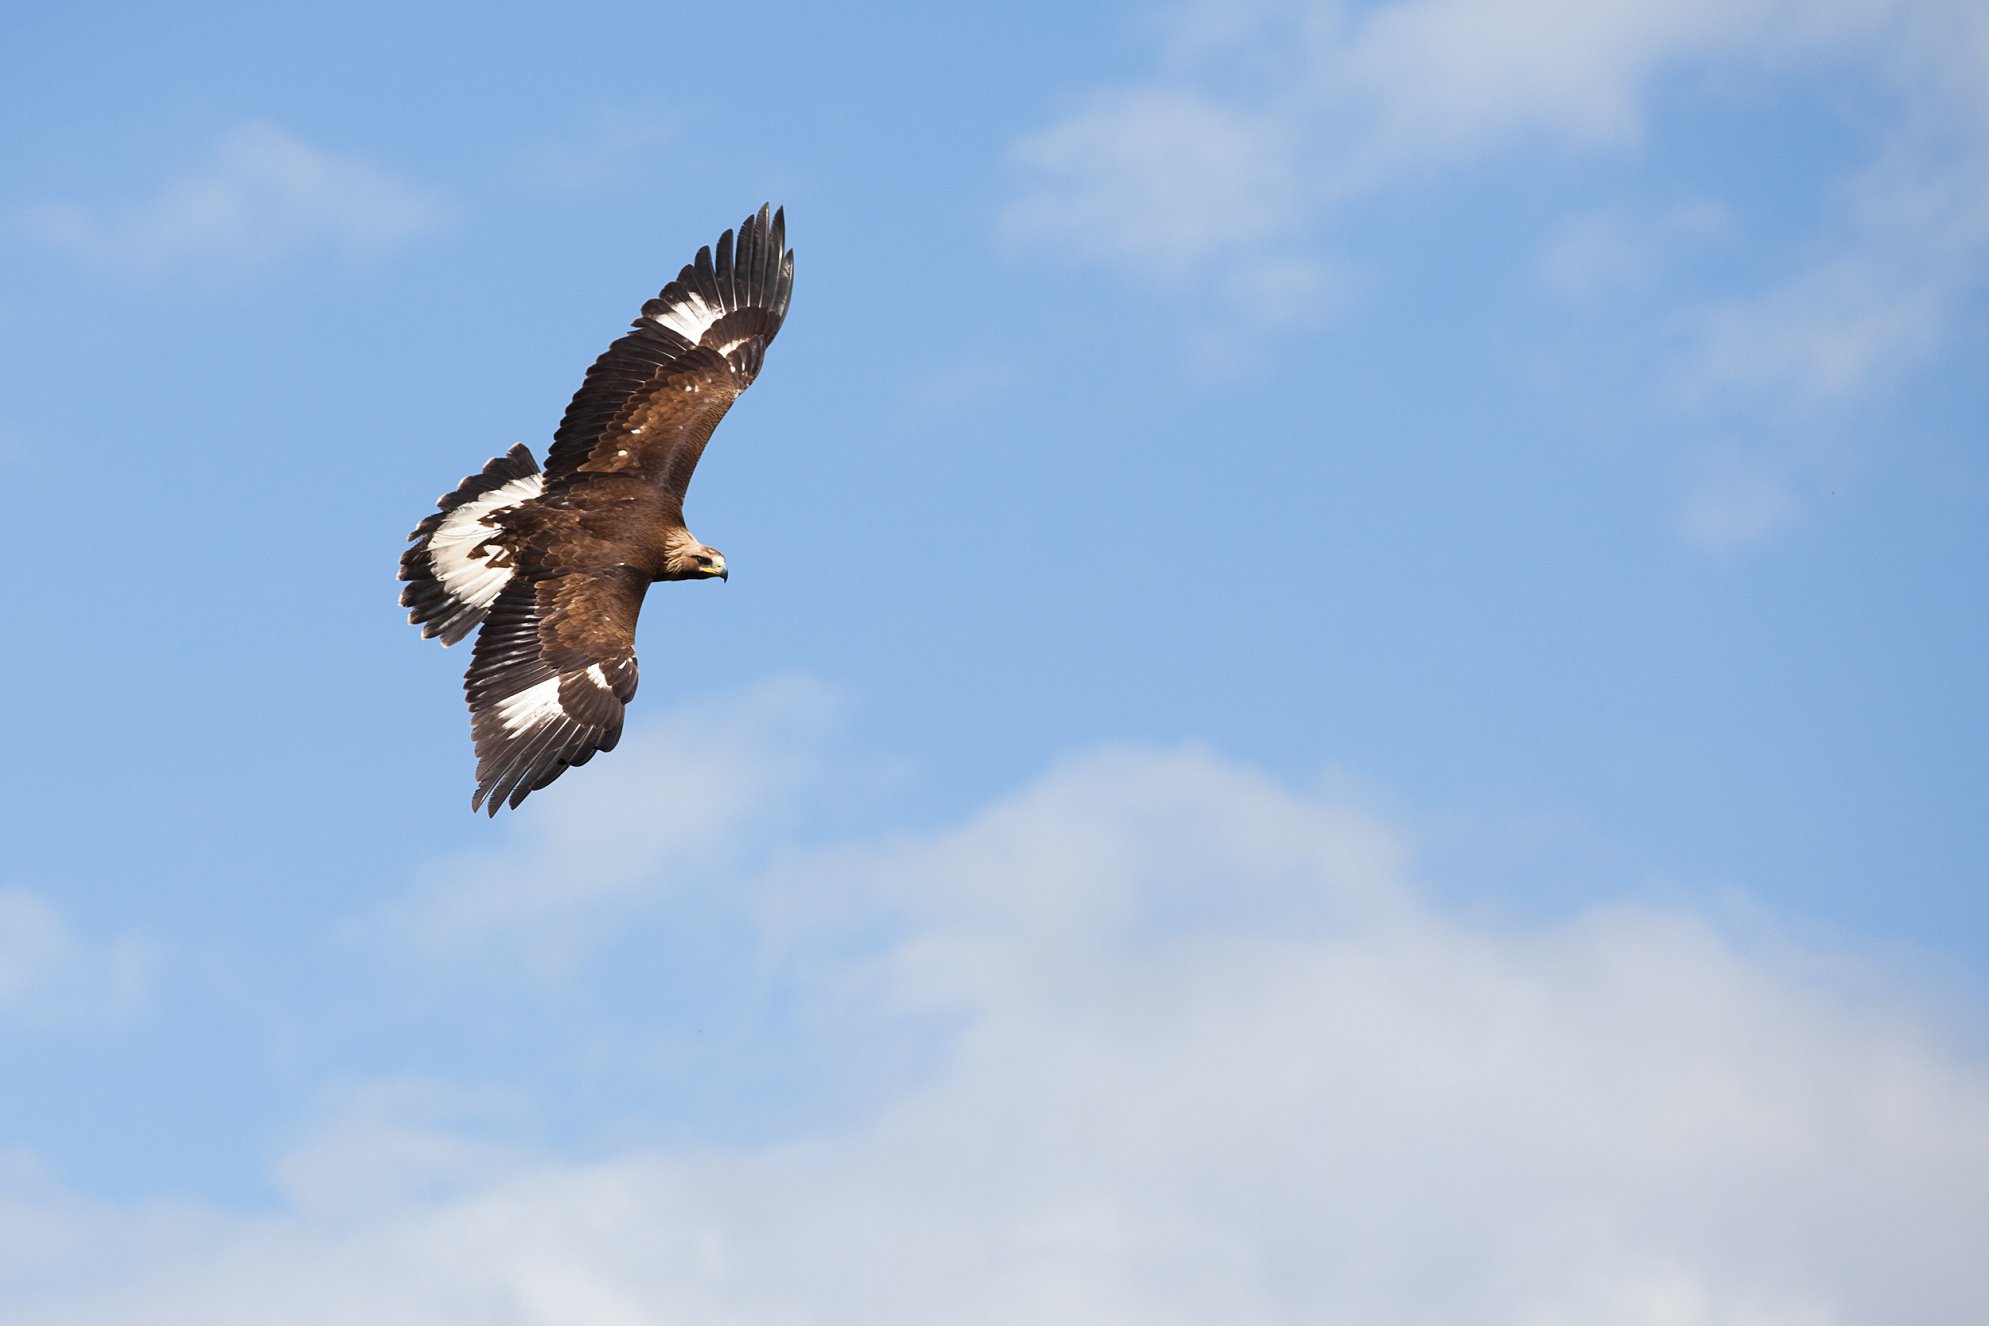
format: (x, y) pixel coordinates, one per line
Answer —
(687, 559)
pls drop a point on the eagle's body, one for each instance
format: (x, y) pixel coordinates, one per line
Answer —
(553, 565)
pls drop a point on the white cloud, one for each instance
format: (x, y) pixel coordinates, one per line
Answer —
(669, 810)
(1913, 242)
(49, 976)
(1212, 1059)
(1439, 77)
(1170, 182)
(1596, 255)
(387, 1144)
(1160, 178)
(1260, 124)
(264, 192)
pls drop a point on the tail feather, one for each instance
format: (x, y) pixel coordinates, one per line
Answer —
(457, 565)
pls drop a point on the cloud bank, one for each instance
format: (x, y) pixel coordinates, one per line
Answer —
(1206, 1054)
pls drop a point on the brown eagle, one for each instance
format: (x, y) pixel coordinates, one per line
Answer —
(553, 564)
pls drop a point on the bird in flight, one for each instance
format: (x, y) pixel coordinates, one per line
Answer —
(552, 564)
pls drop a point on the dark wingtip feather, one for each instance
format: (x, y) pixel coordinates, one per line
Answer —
(727, 293)
(765, 256)
(705, 277)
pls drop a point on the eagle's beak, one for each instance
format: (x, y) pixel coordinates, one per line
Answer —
(724, 573)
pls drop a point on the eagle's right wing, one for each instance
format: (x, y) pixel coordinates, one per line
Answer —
(553, 670)
(651, 401)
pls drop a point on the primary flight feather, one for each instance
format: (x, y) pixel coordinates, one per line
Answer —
(552, 564)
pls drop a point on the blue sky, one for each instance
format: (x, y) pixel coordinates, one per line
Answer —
(1355, 645)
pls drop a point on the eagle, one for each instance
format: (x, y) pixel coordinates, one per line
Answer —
(549, 566)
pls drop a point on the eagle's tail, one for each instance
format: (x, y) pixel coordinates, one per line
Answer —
(455, 570)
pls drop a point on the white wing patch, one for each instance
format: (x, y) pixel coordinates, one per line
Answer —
(537, 705)
(531, 707)
(453, 548)
(690, 317)
(525, 738)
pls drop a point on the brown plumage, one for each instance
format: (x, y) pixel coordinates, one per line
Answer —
(553, 565)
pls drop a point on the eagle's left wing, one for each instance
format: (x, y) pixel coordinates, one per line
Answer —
(553, 670)
(650, 402)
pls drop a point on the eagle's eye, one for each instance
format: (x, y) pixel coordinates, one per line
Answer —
(704, 561)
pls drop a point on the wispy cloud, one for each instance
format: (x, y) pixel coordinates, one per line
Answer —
(1261, 124)
(1912, 241)
(50, 976)
(1160, 179)
(670, 811)
(386, 1144)
(1599, 255)
(1735, 502)
(1255, 128)
(263, 193)
(612, 145)
(1224, 171)
(1903, 240)
(1213, 1058)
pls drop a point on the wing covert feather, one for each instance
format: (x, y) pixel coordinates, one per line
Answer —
(650, 402)
(552, 675)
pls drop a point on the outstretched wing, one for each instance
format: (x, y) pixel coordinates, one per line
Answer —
(553, 671)
(649, 403)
